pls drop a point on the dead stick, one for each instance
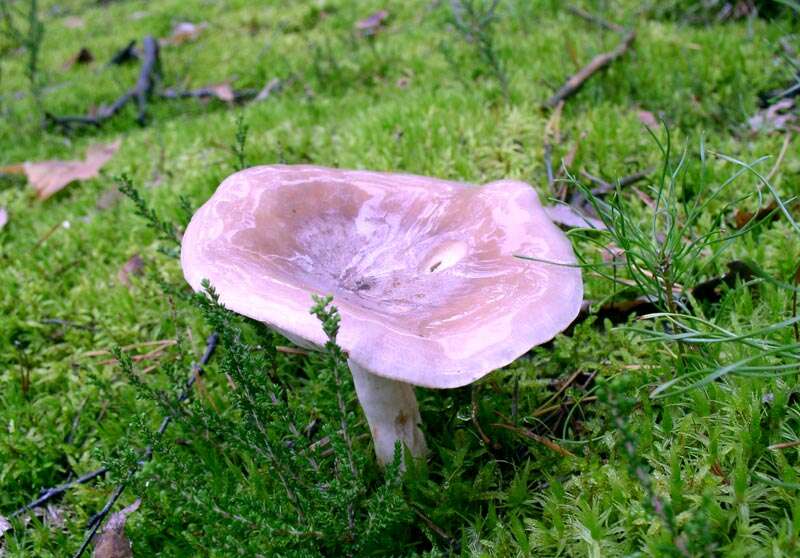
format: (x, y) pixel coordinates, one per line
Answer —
(132, 346)
(435, 528)
(548, 165)
(544, 410)
(548, 443)
(97, 520)
(47, 235)
(477, 424)
(601, 184)
(604, 187)
(208, 92)
(598, 63)
(141, 91)
(597, 20)
(124, 54)
(291, 350)
(51, 493)
(151, 67)
(784, 445)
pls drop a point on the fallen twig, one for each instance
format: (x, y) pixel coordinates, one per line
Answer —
(599, 62)
(154, 354)
(784, 445)
(145, 88)
(564, 385)
(604, 187)
(148, 75)
(292, 350)
(597, 20)
(484, 438)
(211, 92)
(57, 491)
(165, 342)
(548, 443)
(97, 520)
(52, 493)
(601, 184)
(555, 406)
(227, 93)
(48, 234)
(125, 54)
(436, 529)
(66, 323)
(548, 165)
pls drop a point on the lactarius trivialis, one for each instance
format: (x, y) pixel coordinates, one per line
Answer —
(423, 272)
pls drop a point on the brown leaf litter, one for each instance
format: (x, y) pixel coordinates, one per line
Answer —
(50, 177)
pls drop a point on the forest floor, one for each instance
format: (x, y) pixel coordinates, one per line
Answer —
(675, 434)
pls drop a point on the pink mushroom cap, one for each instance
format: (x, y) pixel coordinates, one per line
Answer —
(422, 270)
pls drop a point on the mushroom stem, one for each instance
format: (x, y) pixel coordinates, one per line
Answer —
(392, 413)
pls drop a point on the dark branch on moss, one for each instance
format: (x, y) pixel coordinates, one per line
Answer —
(49, 494)
(141, 91)
(97, 520)
(57, 491)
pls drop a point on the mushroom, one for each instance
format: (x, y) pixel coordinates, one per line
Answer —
(422, 270)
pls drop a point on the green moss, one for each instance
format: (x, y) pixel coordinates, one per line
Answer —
(417, 98)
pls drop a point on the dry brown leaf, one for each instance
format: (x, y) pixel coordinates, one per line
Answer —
(133, 266)
(184, 32)
(51, 516)
(613, 253)
(775, 117)
(3, 217)
(647, 200)
(83, 56)
(223, 92)
(373, 23)
(49, 177)
(570, 217)
(112, 542)
(73, 22)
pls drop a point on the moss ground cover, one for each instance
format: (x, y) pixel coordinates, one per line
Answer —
(667, 436)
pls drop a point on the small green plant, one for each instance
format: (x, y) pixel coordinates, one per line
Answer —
(240, 143)
(668, 254)
(165, 230)
(251, 463)
(772, 350)
(475, 20)
(678, 243)
(690, 538)
(24, 27)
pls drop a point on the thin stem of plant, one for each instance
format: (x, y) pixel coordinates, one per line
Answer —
(96, 521)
